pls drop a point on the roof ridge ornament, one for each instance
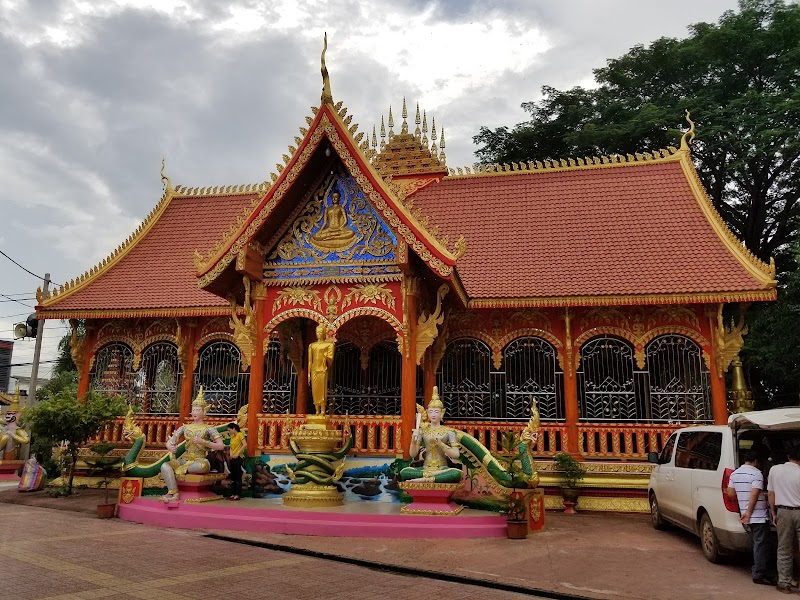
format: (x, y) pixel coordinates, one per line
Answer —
(165, 180)
(688, 137)
(327, 96)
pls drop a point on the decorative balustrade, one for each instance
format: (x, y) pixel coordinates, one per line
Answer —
(380, 435)
(372, 434)
(622, 441)
(552, 436)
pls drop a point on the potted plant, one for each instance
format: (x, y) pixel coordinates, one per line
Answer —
(106, 468)
(571, 473)
(514, 502)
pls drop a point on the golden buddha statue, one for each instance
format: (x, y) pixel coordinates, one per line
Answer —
(439, 443)
(12, 436)
(200, 438)
(334, 235)
(320, 358)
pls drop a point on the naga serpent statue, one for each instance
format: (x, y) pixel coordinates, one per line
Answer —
(317, 467)
(132, 431)
(441, 443)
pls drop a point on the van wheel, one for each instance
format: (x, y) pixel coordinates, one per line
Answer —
(708, 539)
(655, 514)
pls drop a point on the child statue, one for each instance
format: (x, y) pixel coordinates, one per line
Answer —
(439, 442)
(200, 438)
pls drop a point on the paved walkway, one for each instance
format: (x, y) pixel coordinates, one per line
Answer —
(70, 554)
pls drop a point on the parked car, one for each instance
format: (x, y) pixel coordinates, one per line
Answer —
(687, 485)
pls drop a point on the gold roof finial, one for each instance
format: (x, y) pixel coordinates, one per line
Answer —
(374, 138)
(688, 137)
(417, 120)
(424, 128)
(441, 148)
(434, 149)
(391, 123)
(165, 180)
(327, 96)
(404, 128)
(383, 134)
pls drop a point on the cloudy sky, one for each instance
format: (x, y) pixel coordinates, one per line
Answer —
(96, 92)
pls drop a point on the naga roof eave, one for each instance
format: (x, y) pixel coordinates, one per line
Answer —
(329, 123)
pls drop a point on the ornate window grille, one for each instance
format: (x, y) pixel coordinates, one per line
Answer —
(220, 373)
(531, 370)
(158, 379)
(465, 381)
(679, 384)
(112, 373)
(280, 381)
(610, 387)
(371, 391)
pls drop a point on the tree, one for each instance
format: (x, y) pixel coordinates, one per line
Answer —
(738, 78)
(771, 349)
(62, 417)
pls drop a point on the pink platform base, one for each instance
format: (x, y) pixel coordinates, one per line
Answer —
(431, 501)
(265, 516)
(8, 469)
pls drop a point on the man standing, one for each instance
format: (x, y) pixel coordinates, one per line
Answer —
(747, 484)
(783, 492)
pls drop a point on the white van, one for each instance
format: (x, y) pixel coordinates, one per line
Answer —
(687, 485)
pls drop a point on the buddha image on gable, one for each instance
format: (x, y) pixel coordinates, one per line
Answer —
(334, 234)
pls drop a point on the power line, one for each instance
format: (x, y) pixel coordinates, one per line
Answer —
(18, 294)
(12, 316)
(15, 300)
(21, 267)
(28, 364)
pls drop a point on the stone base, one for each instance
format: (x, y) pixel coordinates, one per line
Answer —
(195, 488)
(313, 495)
(9, 468)
(431, 498)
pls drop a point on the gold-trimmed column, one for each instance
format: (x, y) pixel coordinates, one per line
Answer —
(571, 410)
(256, 392)
(408, 377)
(185, 339)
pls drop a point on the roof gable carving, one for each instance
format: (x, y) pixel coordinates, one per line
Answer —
(331, 125)
(337, 235)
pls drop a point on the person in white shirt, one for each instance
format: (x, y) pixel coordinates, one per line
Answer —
(783, 493)
(747, 484)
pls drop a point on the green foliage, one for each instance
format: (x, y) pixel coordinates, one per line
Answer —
(61, 416)
(572, 471)
(513, 503)
(739, 78)
(770, 353)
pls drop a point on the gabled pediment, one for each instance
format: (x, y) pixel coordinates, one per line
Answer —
(336, 235)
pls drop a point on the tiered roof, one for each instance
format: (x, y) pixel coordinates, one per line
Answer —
(621, 230)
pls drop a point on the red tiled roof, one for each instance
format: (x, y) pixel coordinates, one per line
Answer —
(621, 230)
(158, 271)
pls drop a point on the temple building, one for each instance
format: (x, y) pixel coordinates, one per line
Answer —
(594, 285)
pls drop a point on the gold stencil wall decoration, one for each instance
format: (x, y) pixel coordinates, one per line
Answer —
(297, 296)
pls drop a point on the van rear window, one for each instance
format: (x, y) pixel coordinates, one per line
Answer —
(699, 450)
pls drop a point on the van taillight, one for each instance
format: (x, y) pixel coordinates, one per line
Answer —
(731, 504)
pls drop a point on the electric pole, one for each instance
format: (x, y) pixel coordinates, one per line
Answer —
(37, 351)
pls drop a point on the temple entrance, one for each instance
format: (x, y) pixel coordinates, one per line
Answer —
(367, 369)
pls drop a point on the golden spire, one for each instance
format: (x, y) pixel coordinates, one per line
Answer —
(165, 180)
(383, 134)
(441, 148)
(327, 97)
(391, 123)
(688, 137)
(424, 128)
(417, 121)
(433, 137)
(404, 129)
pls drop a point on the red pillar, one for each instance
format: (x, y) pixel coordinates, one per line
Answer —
(256, 397)
(429, 373)
(408, 381)
(90, 342)
(719, 404)
(187, 383)
(571, 412)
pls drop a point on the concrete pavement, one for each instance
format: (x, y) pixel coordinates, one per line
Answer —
(586, 555)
